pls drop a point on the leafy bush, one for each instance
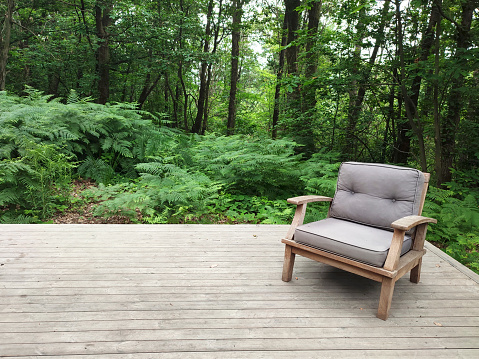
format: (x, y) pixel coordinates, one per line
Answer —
(34, 186)
(319, 175)
(157, 196)
(107, 140)
(457, 213)
(248, 165)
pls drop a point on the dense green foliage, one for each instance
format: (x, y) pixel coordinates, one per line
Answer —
(144, 98)
(457, 212)
(152, 174)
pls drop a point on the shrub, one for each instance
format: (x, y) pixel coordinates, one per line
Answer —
(34, 186)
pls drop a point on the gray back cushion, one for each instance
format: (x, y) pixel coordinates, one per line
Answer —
(376, 194)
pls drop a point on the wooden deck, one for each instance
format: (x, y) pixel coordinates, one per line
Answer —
(214, 291)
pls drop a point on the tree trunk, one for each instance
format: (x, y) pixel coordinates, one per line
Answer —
(279, 76)
(204, 124)
(203, 73)
(411, 110)
(350, 139)
(5, 42)
(85, 23)
(403, 144)
(437, 111)
(166, 96)
(216, 42)
(297, 123)
(174, 99)
(103, 21)
(180, 71)
(357, 97)
(425, 49)
(308, 91)
(456, 98)
(292, 19)
(53, 83)
(147, 89)
(148, 86)
(185, 96)
(314, 14)
(235, 39)
(389, 120)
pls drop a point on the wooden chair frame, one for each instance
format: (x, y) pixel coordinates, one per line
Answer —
(395, 266)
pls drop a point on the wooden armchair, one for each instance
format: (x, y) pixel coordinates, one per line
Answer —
(374, 227)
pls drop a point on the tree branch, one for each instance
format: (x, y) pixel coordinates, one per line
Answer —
(441, 11)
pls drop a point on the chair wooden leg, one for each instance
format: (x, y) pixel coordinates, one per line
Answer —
(415, 275)
(288, 263)
(386, 297)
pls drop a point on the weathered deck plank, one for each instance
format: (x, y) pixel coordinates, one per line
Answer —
(212, 291)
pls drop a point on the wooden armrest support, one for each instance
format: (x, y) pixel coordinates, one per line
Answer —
(400, 227)
(308, 199)
(406, 223)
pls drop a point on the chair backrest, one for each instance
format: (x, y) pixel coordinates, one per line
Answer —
(377, 194)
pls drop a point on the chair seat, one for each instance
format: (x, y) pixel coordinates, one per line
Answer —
(348, 239)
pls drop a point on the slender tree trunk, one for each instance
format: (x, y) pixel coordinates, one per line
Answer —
(180, 71)
(185, 96)
(292, 19)
(456, 99)
(53, 83)
(216, 42)
(235, 39)
(5, 42)
(125, 87)
(166, 97)
(147, 89)
(103, 21)
(85, 23)
(403, 144)
(389, 119)
(176, 105)
(297, 123)
(279, 76)
(174, 98)
(411, 110)
(358, 97)
(148, 86)
(204, 124)
(350, 139)
(437, 113)
(314, 14)
(203, 73)
(308, 91)
(425, 47)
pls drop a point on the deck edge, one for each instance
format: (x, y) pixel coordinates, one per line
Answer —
(459, 266)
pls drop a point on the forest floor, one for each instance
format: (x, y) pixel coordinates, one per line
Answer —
(83, 214)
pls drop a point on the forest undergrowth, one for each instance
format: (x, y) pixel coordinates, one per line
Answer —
(82, 162)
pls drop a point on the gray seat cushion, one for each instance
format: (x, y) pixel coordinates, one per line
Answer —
(376, 194)
(352, 240)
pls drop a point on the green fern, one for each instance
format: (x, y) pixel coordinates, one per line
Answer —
(34, 184)
(253, 166)
(117, 133)
(155, 192)
(458, 223)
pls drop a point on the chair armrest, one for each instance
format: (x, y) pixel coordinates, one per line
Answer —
(406, 223)
(400, 227)
(301, 202)
(308, 199)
